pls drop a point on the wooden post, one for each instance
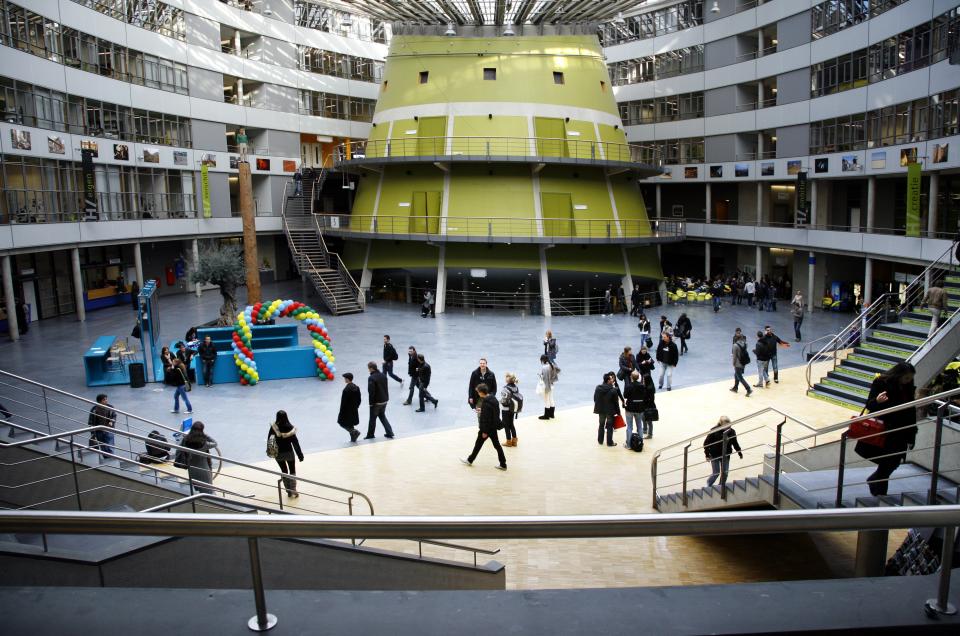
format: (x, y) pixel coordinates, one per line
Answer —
(250, 259)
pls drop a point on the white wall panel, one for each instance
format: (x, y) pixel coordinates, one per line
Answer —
(898, 89)
(779, 9)
(732, 74)
(643, 90)
(677, 40)
(784, 61)
(678, 129)
(92, 22)
(846, 41)
(629, 50)
(943, 77)
(680, 84)
(731, 25)
(216, 111)
(786, 115)
(942, 6)
(48, 8)
(156, 99)
(845, 103)
(31, 69)
(97, 87)
(156, 44)
(732, 123)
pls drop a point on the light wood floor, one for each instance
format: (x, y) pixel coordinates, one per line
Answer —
(558, 468)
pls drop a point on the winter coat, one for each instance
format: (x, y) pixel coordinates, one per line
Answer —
(549, 373)
(901, 424)
(350, 401)
(489, 415)
(684, 326)
(412, 365)
(645, 363)
(762, 350)
(476, 378)
(605, 400)
(287, 443)
(377, 391)
(208, 352)
(389, 353)
(423, 375)
(515, 403)
(713, 442)
(627, 364)
(667, 353)
(738, 347)
(635, 395)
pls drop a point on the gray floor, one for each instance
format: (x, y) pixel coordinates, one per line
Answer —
(239, 416)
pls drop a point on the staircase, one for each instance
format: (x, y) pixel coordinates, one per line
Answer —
(893, 329)
(324, 269)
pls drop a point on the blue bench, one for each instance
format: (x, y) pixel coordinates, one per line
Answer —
(276, 350)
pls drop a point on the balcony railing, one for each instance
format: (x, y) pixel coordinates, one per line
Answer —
(65, 206)
(557, 150)
(478, 228)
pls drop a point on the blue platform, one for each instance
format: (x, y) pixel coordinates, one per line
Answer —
(276, 350)
(95, 364)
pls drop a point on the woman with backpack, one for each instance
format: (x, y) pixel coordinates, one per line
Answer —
(550, 348)
(549, 374)
(511, 403)
(683, 329)
(282, 444)
(740, 360)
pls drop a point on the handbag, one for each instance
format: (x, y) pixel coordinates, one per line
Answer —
(651, 415)
(649, 342)
(180, 459)
(860, 430)
(273, 449)
(618, 422)
(541, 388)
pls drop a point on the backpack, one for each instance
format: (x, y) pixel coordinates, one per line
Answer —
(636, 443)
(744, 356)
(511, 400)
(392, 354)
(273, 449)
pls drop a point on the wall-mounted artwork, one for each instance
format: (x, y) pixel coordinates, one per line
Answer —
(690, 172)
(20, 139)
(121, 152)
(941, 153)
(55, 145)
(741, 170)
(263, 164)
(878, 160)
(179, 157)
(908, 156)
(208, 159)
(821, 165)
(92, 146)
(849, 163)
(767, 169)
(716, 172)
(151, 155)
(793, 167)
(289, 165)
(666, 173)
(234, 162)
(677, 210)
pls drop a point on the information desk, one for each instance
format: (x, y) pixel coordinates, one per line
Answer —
(99, 373)
(276, 350)
(105, 297)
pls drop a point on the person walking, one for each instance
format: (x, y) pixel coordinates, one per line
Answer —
(634, 397)
(761, 351)
(102, 414)
(423, 381)
(412, 372)
(550, 348)
(389, 357)
(288, 450)
(488, 412)
(890, 389)
(378, 394)
(740, 360)
(717, 292)
(627, 363)
(936, 301)
(605, 407)
(135, 295)
(199, 467)
(668, 356)
(297, 183)
(511, 403)
(432, 300)
(644, 326)
(666, 325)
(650, 414)
(683, 330)
(773, 344)
(185, 356)
(208, 359)
(718, 445)
(749, 289)
(608, 301)
(481, 375)
(636, 300)
(179, 379)
(796, 310)
(549, 374)
(349, 416)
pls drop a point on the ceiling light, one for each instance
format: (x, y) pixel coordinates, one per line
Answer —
(619, 19)
(508, 30)
(451, 31)
(347, 21)
(715, 8)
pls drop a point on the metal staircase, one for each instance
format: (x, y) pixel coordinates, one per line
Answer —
(325, 270)
(894, 328)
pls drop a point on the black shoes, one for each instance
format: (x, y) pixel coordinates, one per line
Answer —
(420, 410)
(390, 436)
(435, 403)
(370, 437)
(407, 403)
(354, 435)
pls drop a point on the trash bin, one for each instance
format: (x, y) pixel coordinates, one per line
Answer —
(138, 375)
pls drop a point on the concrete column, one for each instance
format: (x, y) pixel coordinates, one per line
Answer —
(811, 265)
(366, 274)
(77, 284)
(709, 202)
(868, 281)
(441, 293)
(759, 262)
(544, 283)
(11, 305)
(706, 260)
(871, 553)
(408, 285)
(586, 297)
(659, 200)
(236, 42)
(871, 202)
(813, 184)
(465, 287)
(138, 264)
(196, 264)
(760, 195)
(932, 206)
(250, 258)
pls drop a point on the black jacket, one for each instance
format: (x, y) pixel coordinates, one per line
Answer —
(389, 353)
(644, 326)
(901, 424)
(635, 397)
(350, 401)
(287, 442)
(713, 443)
(645, 362)
(177, 377)
(667, 353)
(650, 400)
(377, 392)
(489, 415)
(627, 365)
(605, 400)
(185, 356)
(208, 353)
(763, 350)
(102, 415)
(423, 375)
(684, 326)
(412, 365)
(476, 378)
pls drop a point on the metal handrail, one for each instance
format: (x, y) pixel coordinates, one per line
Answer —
(340, 266)
(876, 311)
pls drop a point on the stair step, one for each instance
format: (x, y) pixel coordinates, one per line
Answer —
(844, 389)
(907, 329)
(913, 498)
(867, 362)
(912, 342)
(846, 375)
(835, 399)
(884, 353)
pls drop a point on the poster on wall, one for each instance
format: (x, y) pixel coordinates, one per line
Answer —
(208, 159)
(716, 172)
(89, 184)
(801, 216)
(92, 147)
(205, 190)
(690, 172)
(20, 139)
(767, 169)
(289, 165)
(941, 153)
(821, 165)
(179, 157)
(234, 162)
(151, 155)
(849, 163)
(121, 152)
(741, 170)
(878, 160)
(793, 167)
(263, 164)
(666, 173)
(913, 200)
(55, 145)
(908, 156)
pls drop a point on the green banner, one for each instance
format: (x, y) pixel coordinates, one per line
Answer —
(913, 199)
(205, 190)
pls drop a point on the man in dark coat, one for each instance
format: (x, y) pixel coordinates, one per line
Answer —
(134, 294)
(208, 359)
(377, 395)
(389, 356)
(480, 375)
(488, 410)
(605, 405)
(668, 356)
(350, 399)
(412, 372)
(102, 414)
(423, 380)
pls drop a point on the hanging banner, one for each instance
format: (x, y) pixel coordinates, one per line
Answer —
(205, 190)
(801, 216)
(913, 199)
(89, 184)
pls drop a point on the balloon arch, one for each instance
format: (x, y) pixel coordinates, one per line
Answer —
(265, 312)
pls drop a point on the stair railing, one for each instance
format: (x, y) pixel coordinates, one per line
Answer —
(878, 312)
(336, 261)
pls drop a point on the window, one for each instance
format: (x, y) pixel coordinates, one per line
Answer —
(490, 74)
(558, 77)
(424, 76)
(603, 86)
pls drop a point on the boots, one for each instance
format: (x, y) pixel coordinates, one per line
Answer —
(546, 414)
(513, 441)
(551, 409)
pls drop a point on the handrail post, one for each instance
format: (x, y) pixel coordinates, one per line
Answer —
(686, 450)
(653, 479)
(724, 463)
(942, 605)
(840, 469)
(935, 467)
(279, 493)
(262, 621)
(76, 480)
(776, 464)
(46, 410)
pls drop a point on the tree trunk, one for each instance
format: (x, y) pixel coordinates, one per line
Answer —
(228, 310)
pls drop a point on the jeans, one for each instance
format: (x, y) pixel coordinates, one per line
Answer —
(414, 383)
(683, 345)
(606, 422)
(718, 468)
(763, 377)
(388, 370)
(104, 441)
(775, 367)
(509, 428)
(297, 188)
(738, 379)
(667, 370)
(749, 300)
(206, 369)
(797, 322)
(935, 316)
(379, 411)
(496, 444)
(717, 302)
(632, 417)
(181, 392)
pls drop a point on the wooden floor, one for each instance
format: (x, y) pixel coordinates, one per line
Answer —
(558, 468)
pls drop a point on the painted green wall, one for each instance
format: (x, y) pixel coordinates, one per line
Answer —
(587, 187)
(582, 146)
(492, 256)
(615, 140)
(478, 198)
(512, 129)
(525, 67)
(399, 184)
(644, 263)
(630, 207)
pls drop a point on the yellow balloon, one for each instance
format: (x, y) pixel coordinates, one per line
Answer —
(332, 359)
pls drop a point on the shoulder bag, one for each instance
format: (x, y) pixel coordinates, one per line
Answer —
(860, 430)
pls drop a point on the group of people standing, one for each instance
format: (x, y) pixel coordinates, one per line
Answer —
(765, 350)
